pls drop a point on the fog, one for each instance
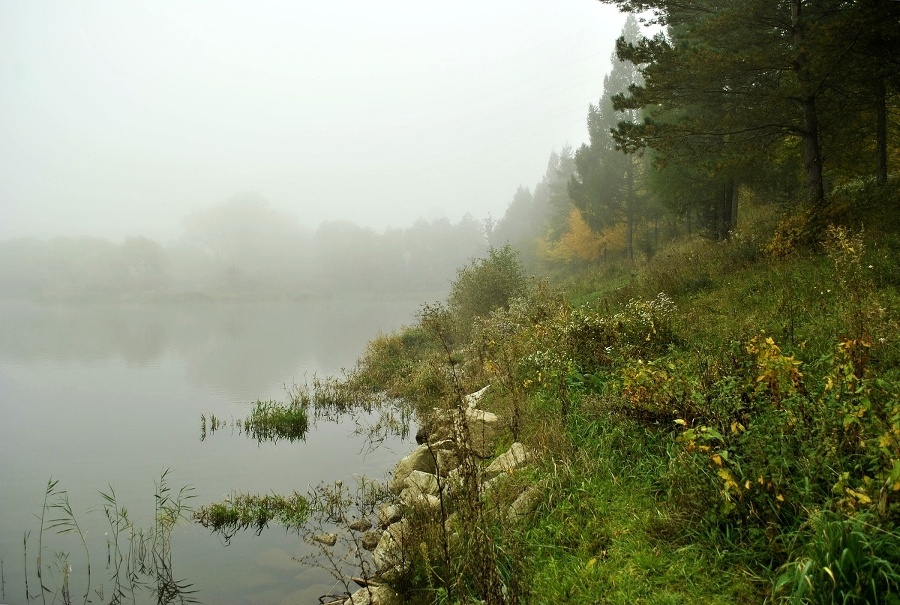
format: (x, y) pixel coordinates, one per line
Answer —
(128, 118)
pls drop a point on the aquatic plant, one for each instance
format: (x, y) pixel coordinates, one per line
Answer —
(137, 558)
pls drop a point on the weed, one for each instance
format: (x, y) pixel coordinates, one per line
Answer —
(843, 560)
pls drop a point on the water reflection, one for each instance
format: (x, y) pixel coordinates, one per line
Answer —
(101, 395)
(240, 347)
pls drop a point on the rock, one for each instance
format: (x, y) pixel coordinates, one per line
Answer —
(447, 457)
(472, 400)
(441, 425)
(361, 525)
(425, 483)
(389, 557)
(413, 498)
(484, 428)
(420, 459)
(514, 458)
(326, 539)
(525, 504)
(370, 540)
(374, 595)
(387, 514)
(437, 426)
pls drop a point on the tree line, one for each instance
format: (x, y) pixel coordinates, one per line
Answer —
(785, 101)
(244, 249)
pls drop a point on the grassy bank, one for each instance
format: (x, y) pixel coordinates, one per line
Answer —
(718, 424)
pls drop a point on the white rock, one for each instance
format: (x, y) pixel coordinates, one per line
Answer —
(389, 552)
(514, 458)
(421, 459)
(388, 514)
(525, 504)
(472, 400)
(374, 595)
(326, 539)
(425, 483)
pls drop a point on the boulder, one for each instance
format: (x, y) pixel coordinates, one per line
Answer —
(484, 428)
(525, 504)
(424, 483)
(514, 458)
(413, 498)
(326, 539)
(388, 514)
(473, 399)
(420, 459)
(370, 540)
(436, 426)
(361, 525)
(374, 595)
(389, 558)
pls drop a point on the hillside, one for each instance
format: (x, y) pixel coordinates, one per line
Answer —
(719, 424)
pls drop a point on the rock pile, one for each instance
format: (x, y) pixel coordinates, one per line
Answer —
(423, 482)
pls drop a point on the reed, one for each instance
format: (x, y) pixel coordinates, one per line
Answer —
(137, 558)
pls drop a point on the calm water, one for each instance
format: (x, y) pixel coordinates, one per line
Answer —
(111, 395)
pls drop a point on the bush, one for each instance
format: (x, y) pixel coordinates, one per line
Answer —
(484, 285)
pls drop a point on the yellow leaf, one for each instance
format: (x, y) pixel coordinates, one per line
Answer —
(591, 563)
(681, 421)
(861, 497)
(717, 459)
(779, 497)
(730, 483)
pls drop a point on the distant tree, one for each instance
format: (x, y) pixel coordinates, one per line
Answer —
(246, 228)
(523, 220)
(251, 243)
(144, 262)
(604, 186)
(553, 193)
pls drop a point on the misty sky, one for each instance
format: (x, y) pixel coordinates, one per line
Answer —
(123, 117)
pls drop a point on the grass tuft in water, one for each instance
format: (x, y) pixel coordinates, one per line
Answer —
(243, 511)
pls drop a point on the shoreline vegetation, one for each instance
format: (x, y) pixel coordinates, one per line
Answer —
(717, 424)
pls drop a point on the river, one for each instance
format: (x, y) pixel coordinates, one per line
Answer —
(111, 395)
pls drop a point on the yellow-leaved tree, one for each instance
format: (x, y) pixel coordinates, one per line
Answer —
(580, 243)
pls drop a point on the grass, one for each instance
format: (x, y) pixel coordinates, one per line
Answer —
(727, 442)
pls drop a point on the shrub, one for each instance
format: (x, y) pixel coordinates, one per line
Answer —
(484, 285)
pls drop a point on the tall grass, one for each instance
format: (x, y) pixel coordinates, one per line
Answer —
(138, 559)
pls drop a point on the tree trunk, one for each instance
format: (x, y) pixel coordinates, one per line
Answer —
(629, 211)
(727, 207)
(881, 166)
(812, 151)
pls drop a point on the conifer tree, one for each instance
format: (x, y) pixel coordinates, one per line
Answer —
(603, 187)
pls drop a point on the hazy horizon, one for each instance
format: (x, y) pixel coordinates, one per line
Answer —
(125, 118)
